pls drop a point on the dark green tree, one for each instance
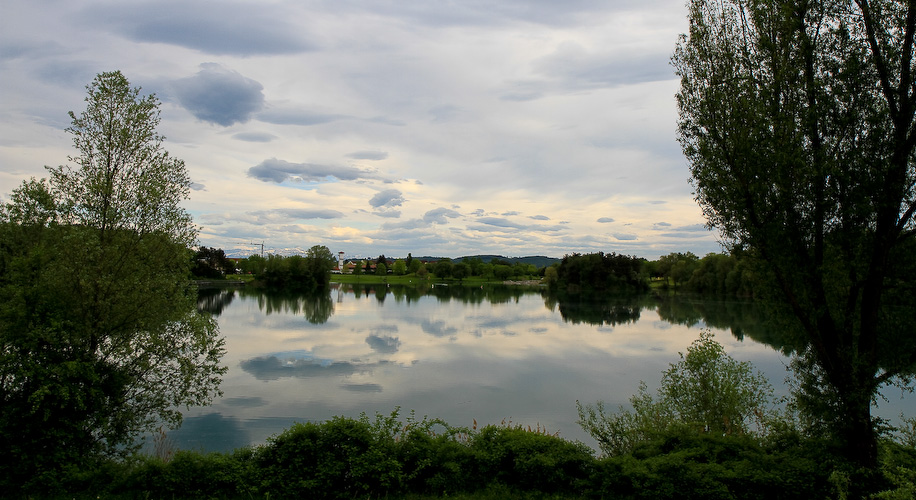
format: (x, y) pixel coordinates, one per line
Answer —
(798, 118)
(212, 263)
(100, 337)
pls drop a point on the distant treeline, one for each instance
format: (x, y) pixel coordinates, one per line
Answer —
(717, 274)
(297, 272)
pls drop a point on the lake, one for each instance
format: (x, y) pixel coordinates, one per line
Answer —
(495, 354)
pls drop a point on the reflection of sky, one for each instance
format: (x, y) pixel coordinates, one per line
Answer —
(516, 361)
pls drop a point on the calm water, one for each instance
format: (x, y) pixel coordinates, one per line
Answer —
(492, 354)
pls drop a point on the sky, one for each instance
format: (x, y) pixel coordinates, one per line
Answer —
(443, 128)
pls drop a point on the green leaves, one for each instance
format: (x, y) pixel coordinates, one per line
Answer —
(707, 391)
(100, 338)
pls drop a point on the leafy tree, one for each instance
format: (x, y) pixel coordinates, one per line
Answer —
(461, 271)
(100, 338)
(707, 390)
(400, 267)
(600, 271)
(381, 270)
(443, 268)
(798, 118)
(320, 262)
(212, 263)
(309, 272)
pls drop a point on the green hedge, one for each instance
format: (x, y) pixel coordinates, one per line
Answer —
(356, 458)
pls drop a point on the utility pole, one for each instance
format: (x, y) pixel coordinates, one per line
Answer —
(262, 247)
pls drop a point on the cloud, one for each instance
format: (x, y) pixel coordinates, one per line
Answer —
(605, 220)
(388, 198)
(500, 222)
(539, 217)
(368, 387)
(254, 136)
(577, 67)
(438, 328)
(299, 365)
(291, 115)
(439, 215)
(274, 170)
(219, 95)
(625, 236)
(223, 28)
(306, 213)
(368, 155)
(405, 225)
(384, 344)
(662, 224)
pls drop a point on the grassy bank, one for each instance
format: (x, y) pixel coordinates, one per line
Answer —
(388, 457)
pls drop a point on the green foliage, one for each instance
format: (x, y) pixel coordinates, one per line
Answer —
(798, 119)
(600, 272)
(389, 457)
(100, 338)
(340, 458)
(707, 391)
(211, 263)
(297, 272)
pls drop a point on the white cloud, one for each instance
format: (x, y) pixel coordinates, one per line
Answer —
(540, 117)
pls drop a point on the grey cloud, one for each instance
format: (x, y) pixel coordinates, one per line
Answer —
(254, 136)
(368, 155)
(579, 68)
(244, 402)
(481, 13)
(444, 113)
(196, 186)
(274, 368)
(691, 231)
(223, 28)
(274, 170)
(387, 199)
(662, 224)
(438, 328)
(305, 213)
(439, 215)
(388, 213)
(498, 222)
(605, 220)
(219, 95)
(387, 121)
(295, 116)
(509, 214)
(362, 387)
(383, 343)
(539, 217)
(407, 224)
(625, 236)
(693, 228)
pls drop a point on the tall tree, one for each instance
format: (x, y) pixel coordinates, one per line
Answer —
(100, 338)
(798, 118)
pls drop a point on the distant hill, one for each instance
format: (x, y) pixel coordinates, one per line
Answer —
(537, 260)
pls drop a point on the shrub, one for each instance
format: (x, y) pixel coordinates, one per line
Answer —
(707, 390)
(340, 458)
(530, 460)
